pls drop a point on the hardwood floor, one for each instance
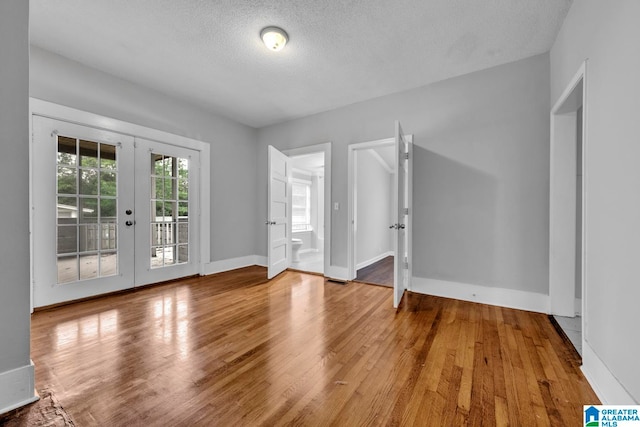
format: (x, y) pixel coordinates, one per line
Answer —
(378, 273)
(235, 349)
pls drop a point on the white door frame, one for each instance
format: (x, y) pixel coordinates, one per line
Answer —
(326, 149)
(51, 110)
(352, 193)
(562, 198)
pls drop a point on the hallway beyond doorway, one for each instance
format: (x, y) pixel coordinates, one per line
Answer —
(378, 273)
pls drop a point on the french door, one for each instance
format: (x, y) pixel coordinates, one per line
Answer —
(110, 211)
(166, 206)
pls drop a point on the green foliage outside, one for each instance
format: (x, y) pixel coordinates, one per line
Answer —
(99, 183)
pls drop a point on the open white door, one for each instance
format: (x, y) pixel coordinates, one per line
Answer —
(278, 212)
(402, 198)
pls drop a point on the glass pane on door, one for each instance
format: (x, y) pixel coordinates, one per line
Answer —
(86, 210)
(169, 203)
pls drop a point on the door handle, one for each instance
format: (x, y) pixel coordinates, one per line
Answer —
(129, 223)
(270, 223)
(394, 226)
(401, 226)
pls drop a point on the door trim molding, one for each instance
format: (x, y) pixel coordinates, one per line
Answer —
(38, 107)
(561, 241)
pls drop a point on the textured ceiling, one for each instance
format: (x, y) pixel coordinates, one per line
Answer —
(209, 53)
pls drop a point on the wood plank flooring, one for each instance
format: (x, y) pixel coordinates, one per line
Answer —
(235, 349)
(378, 273)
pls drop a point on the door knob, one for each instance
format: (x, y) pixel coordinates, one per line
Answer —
(128, 223)
(401, 226)
(393, 226)
(128, 211)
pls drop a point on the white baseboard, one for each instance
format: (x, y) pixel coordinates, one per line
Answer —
(578, 307)
(502, 297)
(334, 272)
(604, 383)
(233, 263)
(17, 388)
(373, 260)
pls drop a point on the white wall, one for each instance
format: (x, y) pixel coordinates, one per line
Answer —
(607, 33)
(307, 237)
(373, 198)
(481, 172)
(16, 373)
(317, 209)
(233, 155)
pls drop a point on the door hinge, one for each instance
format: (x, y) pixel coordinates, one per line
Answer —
(406, 156)
(406, 263)
(406, 211)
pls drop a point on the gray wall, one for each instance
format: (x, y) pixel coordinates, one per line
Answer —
(373, 236)
(14, 193)
(233, 155)
(607, 33)
(481, 171)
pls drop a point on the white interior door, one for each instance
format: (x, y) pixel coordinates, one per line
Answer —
(402, 195)
(166, 212)
(278, 213)
(82, 245)
(109, 212)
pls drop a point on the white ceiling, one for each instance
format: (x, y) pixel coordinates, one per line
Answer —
(209, 53)
(386, 156)
(310, 163)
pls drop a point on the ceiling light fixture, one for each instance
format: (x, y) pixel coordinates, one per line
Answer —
(274, 38)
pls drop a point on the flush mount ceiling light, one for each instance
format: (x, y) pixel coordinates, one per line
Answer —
(274, 38)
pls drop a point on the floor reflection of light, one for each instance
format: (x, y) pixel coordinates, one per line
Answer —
(101, 325)
(171, 314)
(66, 334)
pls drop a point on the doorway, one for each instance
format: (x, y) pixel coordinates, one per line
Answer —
(373, 207)
(307, 212)
(110, 211)
(380, 212)
(311, 208)
(567, 281)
